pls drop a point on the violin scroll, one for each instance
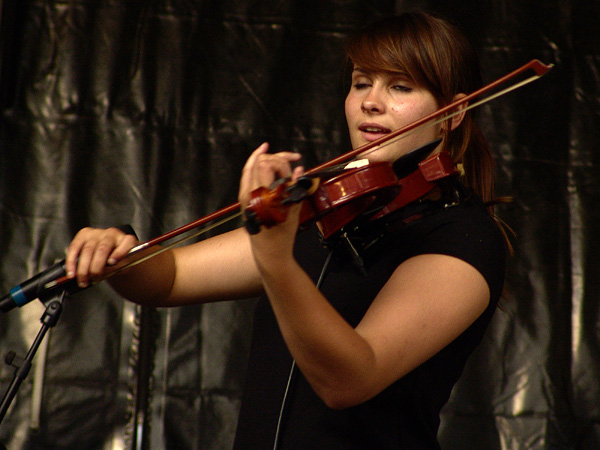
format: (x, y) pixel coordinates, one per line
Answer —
(269, 207)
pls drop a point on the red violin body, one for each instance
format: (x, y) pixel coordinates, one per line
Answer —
(339, 200)
(372, 190)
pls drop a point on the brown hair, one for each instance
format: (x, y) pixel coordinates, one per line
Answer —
(433, 54)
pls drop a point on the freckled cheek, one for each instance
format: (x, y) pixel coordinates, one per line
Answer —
(406, 114)
(410, 113)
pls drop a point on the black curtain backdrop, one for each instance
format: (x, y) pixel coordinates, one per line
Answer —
(143, 112)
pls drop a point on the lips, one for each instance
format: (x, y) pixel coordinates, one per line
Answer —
(372, 131)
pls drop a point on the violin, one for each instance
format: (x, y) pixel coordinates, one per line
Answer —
(373, 190)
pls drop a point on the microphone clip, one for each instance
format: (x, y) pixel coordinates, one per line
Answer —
(21, 365)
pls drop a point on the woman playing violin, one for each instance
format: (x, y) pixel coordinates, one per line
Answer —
(349, 355)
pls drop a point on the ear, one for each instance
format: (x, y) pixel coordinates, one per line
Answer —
(456, 120)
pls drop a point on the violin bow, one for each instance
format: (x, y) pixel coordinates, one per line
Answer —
(138, 255)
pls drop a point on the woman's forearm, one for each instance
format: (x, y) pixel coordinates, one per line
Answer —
(333, 357)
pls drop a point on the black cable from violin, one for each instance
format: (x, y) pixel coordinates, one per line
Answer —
(292, 375)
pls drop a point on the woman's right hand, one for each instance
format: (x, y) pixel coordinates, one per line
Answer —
(92, 250)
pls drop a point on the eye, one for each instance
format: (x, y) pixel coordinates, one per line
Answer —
(360, 79)
(361, 82)
(360, 85)
(401, 87)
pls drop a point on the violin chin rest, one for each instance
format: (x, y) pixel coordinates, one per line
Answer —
(408, 163)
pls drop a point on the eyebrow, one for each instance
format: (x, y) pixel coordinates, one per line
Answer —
(361, 71)
(393, 74)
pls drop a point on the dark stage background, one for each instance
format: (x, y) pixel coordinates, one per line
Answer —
(143, 112)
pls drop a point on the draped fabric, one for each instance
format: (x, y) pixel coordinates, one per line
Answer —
(143, 112)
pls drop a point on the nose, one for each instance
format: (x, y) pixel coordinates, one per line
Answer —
(373, 102)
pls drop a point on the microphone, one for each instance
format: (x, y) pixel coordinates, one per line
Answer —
(39, 286)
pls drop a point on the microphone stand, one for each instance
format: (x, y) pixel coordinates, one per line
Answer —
(23, 365)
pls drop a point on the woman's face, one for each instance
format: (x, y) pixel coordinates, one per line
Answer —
(379, 103)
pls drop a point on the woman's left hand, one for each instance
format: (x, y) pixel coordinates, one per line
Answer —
(262, 169)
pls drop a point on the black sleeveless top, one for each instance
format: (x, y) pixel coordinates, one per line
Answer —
(406, 414)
